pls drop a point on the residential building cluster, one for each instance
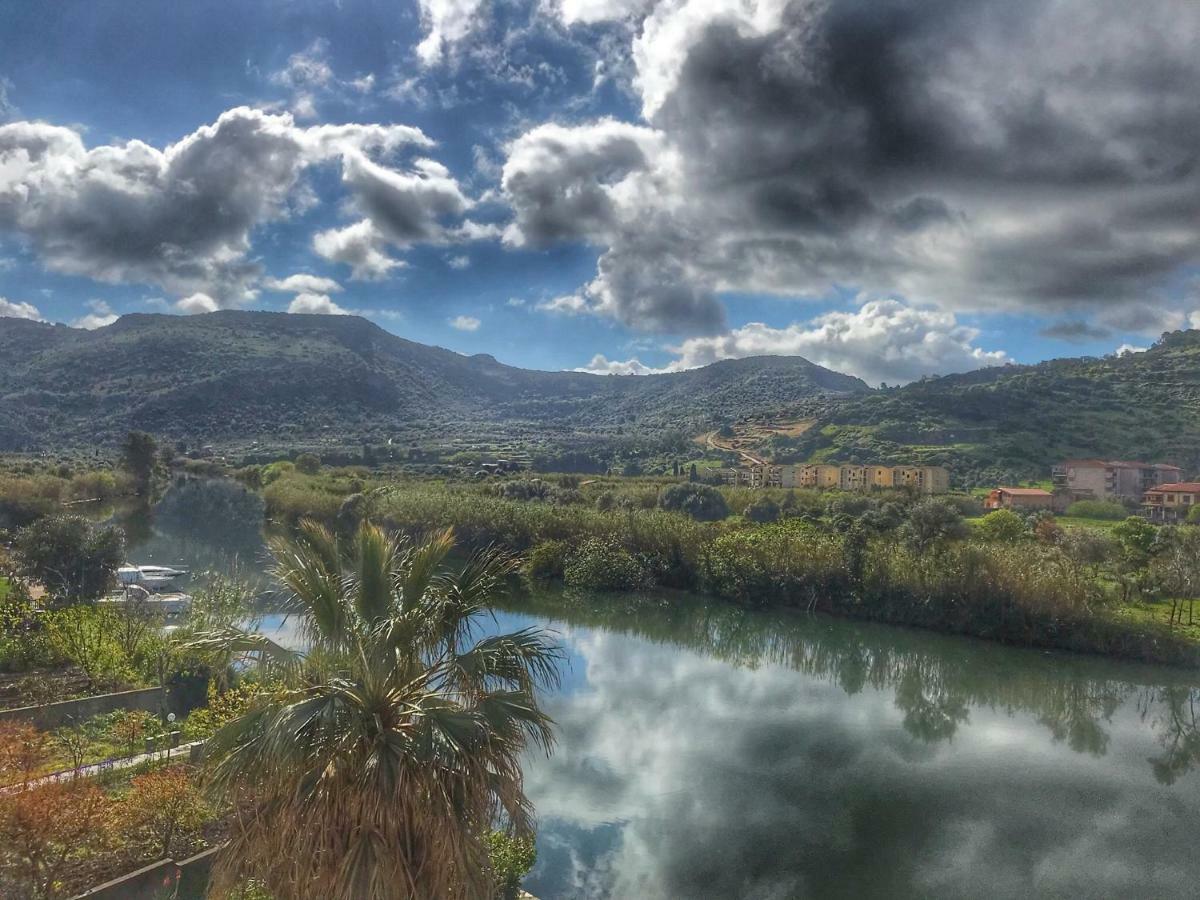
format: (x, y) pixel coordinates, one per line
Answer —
(1098, 479)
(1157, 487)
(923, 479)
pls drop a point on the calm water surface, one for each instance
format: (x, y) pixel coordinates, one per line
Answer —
(707, 751)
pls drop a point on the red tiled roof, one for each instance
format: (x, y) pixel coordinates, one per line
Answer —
(1034, 492)
(1179, 487)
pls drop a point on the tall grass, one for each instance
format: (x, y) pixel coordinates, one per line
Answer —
(1025, 594)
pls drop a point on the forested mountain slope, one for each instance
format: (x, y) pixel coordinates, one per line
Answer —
(236, 375)
(1016, 421)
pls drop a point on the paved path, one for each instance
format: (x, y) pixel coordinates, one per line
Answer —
(108, 765)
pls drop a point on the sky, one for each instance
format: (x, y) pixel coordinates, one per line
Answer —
(891, 188)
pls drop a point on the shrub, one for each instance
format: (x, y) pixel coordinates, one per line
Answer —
(1002, 526)
(275, 470)
(1097, 509)
(790, 563)
(163, 812)
(547, 561)
(23, 751)
(46, 829)
(763, 510)
(308, 464)
(88, 638)
(511, 859)
(702, 502)
(931, 524)
(600, 565)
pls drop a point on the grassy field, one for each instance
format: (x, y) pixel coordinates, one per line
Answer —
(1087, 522)
(4, 588)
(1157, 614)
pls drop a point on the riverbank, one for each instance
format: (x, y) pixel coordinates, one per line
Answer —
(860, 556)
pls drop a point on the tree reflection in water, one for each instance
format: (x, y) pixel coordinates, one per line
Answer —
(935, 680)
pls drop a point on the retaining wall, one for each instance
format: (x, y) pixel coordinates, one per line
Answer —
(159, 880)
(52, 715)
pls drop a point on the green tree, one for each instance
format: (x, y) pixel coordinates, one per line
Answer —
(702, 502)
(139, 457)
(933, 523)
(1002, 526)
(70, 556)
(308, 464)
(762, 510)
(511, 859)
(1177, 569)
(381, 766)
(1136, 538)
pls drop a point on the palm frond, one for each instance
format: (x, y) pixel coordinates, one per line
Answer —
(234, 644)
(374, 574)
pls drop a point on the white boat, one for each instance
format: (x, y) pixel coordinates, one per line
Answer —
(150, 577)
(170, 604)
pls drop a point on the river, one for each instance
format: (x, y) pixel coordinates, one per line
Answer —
(709, 751)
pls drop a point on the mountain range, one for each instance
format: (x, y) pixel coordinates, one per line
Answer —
(233, 377)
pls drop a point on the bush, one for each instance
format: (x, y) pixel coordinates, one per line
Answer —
(547, 561)
(702, 502)
(932, 523)
(1002, 526)
(599, 565)
(1097, 509)
(308, 464)
(276, 470)
(763, 510)
(163, 812)
(790, 563)
(511, 859)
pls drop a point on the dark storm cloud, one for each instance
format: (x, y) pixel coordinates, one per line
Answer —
(972, 154)
(1075, 330)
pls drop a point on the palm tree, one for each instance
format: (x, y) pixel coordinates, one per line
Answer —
(393, 746)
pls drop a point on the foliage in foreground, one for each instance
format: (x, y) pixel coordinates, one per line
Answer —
(394, 746)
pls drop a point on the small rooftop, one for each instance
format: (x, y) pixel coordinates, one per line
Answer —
(1178, 487)
(1033, 492)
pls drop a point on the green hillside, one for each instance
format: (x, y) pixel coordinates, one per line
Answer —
(236, 376)
(1001, 424)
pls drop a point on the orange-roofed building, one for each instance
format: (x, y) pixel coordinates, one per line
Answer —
(1171, 502)
(1019, 499)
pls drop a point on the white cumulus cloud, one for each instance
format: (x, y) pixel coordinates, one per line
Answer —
(302, 283)
(882, 341)
(182, 217)
(15, 309)
(316, 304)
(101, 314)
(465, 323)
(446, 22)
(197, 303)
